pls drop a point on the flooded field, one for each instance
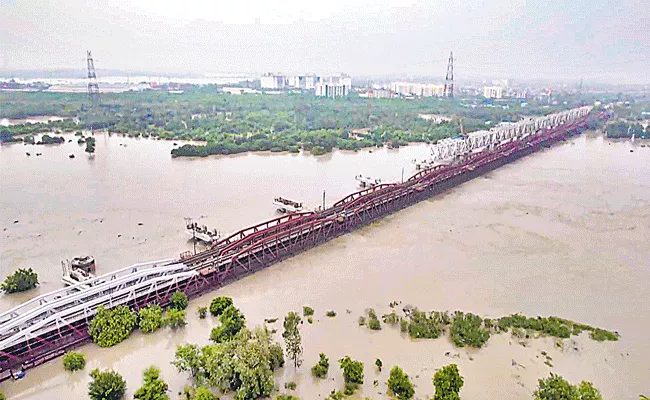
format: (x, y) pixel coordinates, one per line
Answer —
(562, 232)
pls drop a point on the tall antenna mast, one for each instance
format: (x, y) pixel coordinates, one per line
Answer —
(449, 79)
(93, 88)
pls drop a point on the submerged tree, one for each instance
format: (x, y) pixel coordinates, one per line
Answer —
(111, 326)
(399, 384)
(153, 387)
(108, 385)
(20, 281)
(448, 383)
(292, 339)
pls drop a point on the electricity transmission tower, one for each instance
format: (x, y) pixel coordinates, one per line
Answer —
(93, 88)
(449, 79)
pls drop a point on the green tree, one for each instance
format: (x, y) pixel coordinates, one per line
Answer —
(153, 387)
(90, 145)
(588, 392)
(20, 281)
(292, 339)
(178, 300)
(467, 329)
(307, 311)
(219, 304)
(322, 367)
(448, 383)
(111, 326)
(379, 364)
(150, 318)
(73, 361)
(203, 393)
(352, 374)
(174, 318)
(203, 311)
(557, 388)
(232, 321)
(2, 396)
(399, 384)
(108, 385)
(188, 358)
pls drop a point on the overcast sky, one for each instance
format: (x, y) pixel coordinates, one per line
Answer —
(596, 39)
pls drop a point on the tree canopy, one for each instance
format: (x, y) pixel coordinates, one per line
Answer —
(399, 384)
(448, 383)
(107, 385)
(111, 326)
(20, 281)
(153, 387)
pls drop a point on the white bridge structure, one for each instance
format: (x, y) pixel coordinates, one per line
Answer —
(37, 319)
(448, 149)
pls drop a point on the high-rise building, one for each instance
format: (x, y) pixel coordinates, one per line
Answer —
(333, 86)
(418, 89)
(493, 92)
(273, 81)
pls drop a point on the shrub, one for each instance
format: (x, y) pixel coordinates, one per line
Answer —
(307, 311)
(20, 281)
(467, 329)
(73, 361)
(423, 326)
(399, 384)
(448, 383)
(174, 318)
(286, 397)
(153, 387)
(352, 370)
(556, 388)
(178, 300)
(150, 318)
(290, 385)
(232, 321)
(107, 385)
(391, 319)
(203, 393)
(403, 325)
(374, 324)
(219, 304)
(379, 364)
(111, 326)
(322, 367)
(276, 356)
(2, 396)
(331, 313)
(361, 321)
(203, 312)
(601, 334)
(350, 388)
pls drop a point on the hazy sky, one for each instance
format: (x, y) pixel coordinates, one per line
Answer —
(596, 39)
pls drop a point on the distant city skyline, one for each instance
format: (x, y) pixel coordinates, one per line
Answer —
(599, 41)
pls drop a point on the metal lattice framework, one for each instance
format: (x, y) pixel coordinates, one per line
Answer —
(448, 149)
(46, 326)
(93, 87)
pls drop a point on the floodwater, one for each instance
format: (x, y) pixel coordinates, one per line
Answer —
(562, 232)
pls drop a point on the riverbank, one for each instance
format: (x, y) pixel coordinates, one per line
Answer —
(492, 246)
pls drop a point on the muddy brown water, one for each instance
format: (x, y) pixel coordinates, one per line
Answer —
(561, 232)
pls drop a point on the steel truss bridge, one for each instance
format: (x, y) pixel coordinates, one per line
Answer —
(48, 325)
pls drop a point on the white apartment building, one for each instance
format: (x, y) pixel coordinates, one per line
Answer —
(418, 89)
(333, 86)
(273, 81)
(303, 81)
(493, 92)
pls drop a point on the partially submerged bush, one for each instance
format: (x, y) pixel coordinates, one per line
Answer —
(20, 281)
(322, 367)
(219, 304)
(150, 318)
(111, 326)
(399, 384)
(73, 361)
(307, 311)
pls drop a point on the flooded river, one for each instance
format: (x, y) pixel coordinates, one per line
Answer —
(562, 232)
